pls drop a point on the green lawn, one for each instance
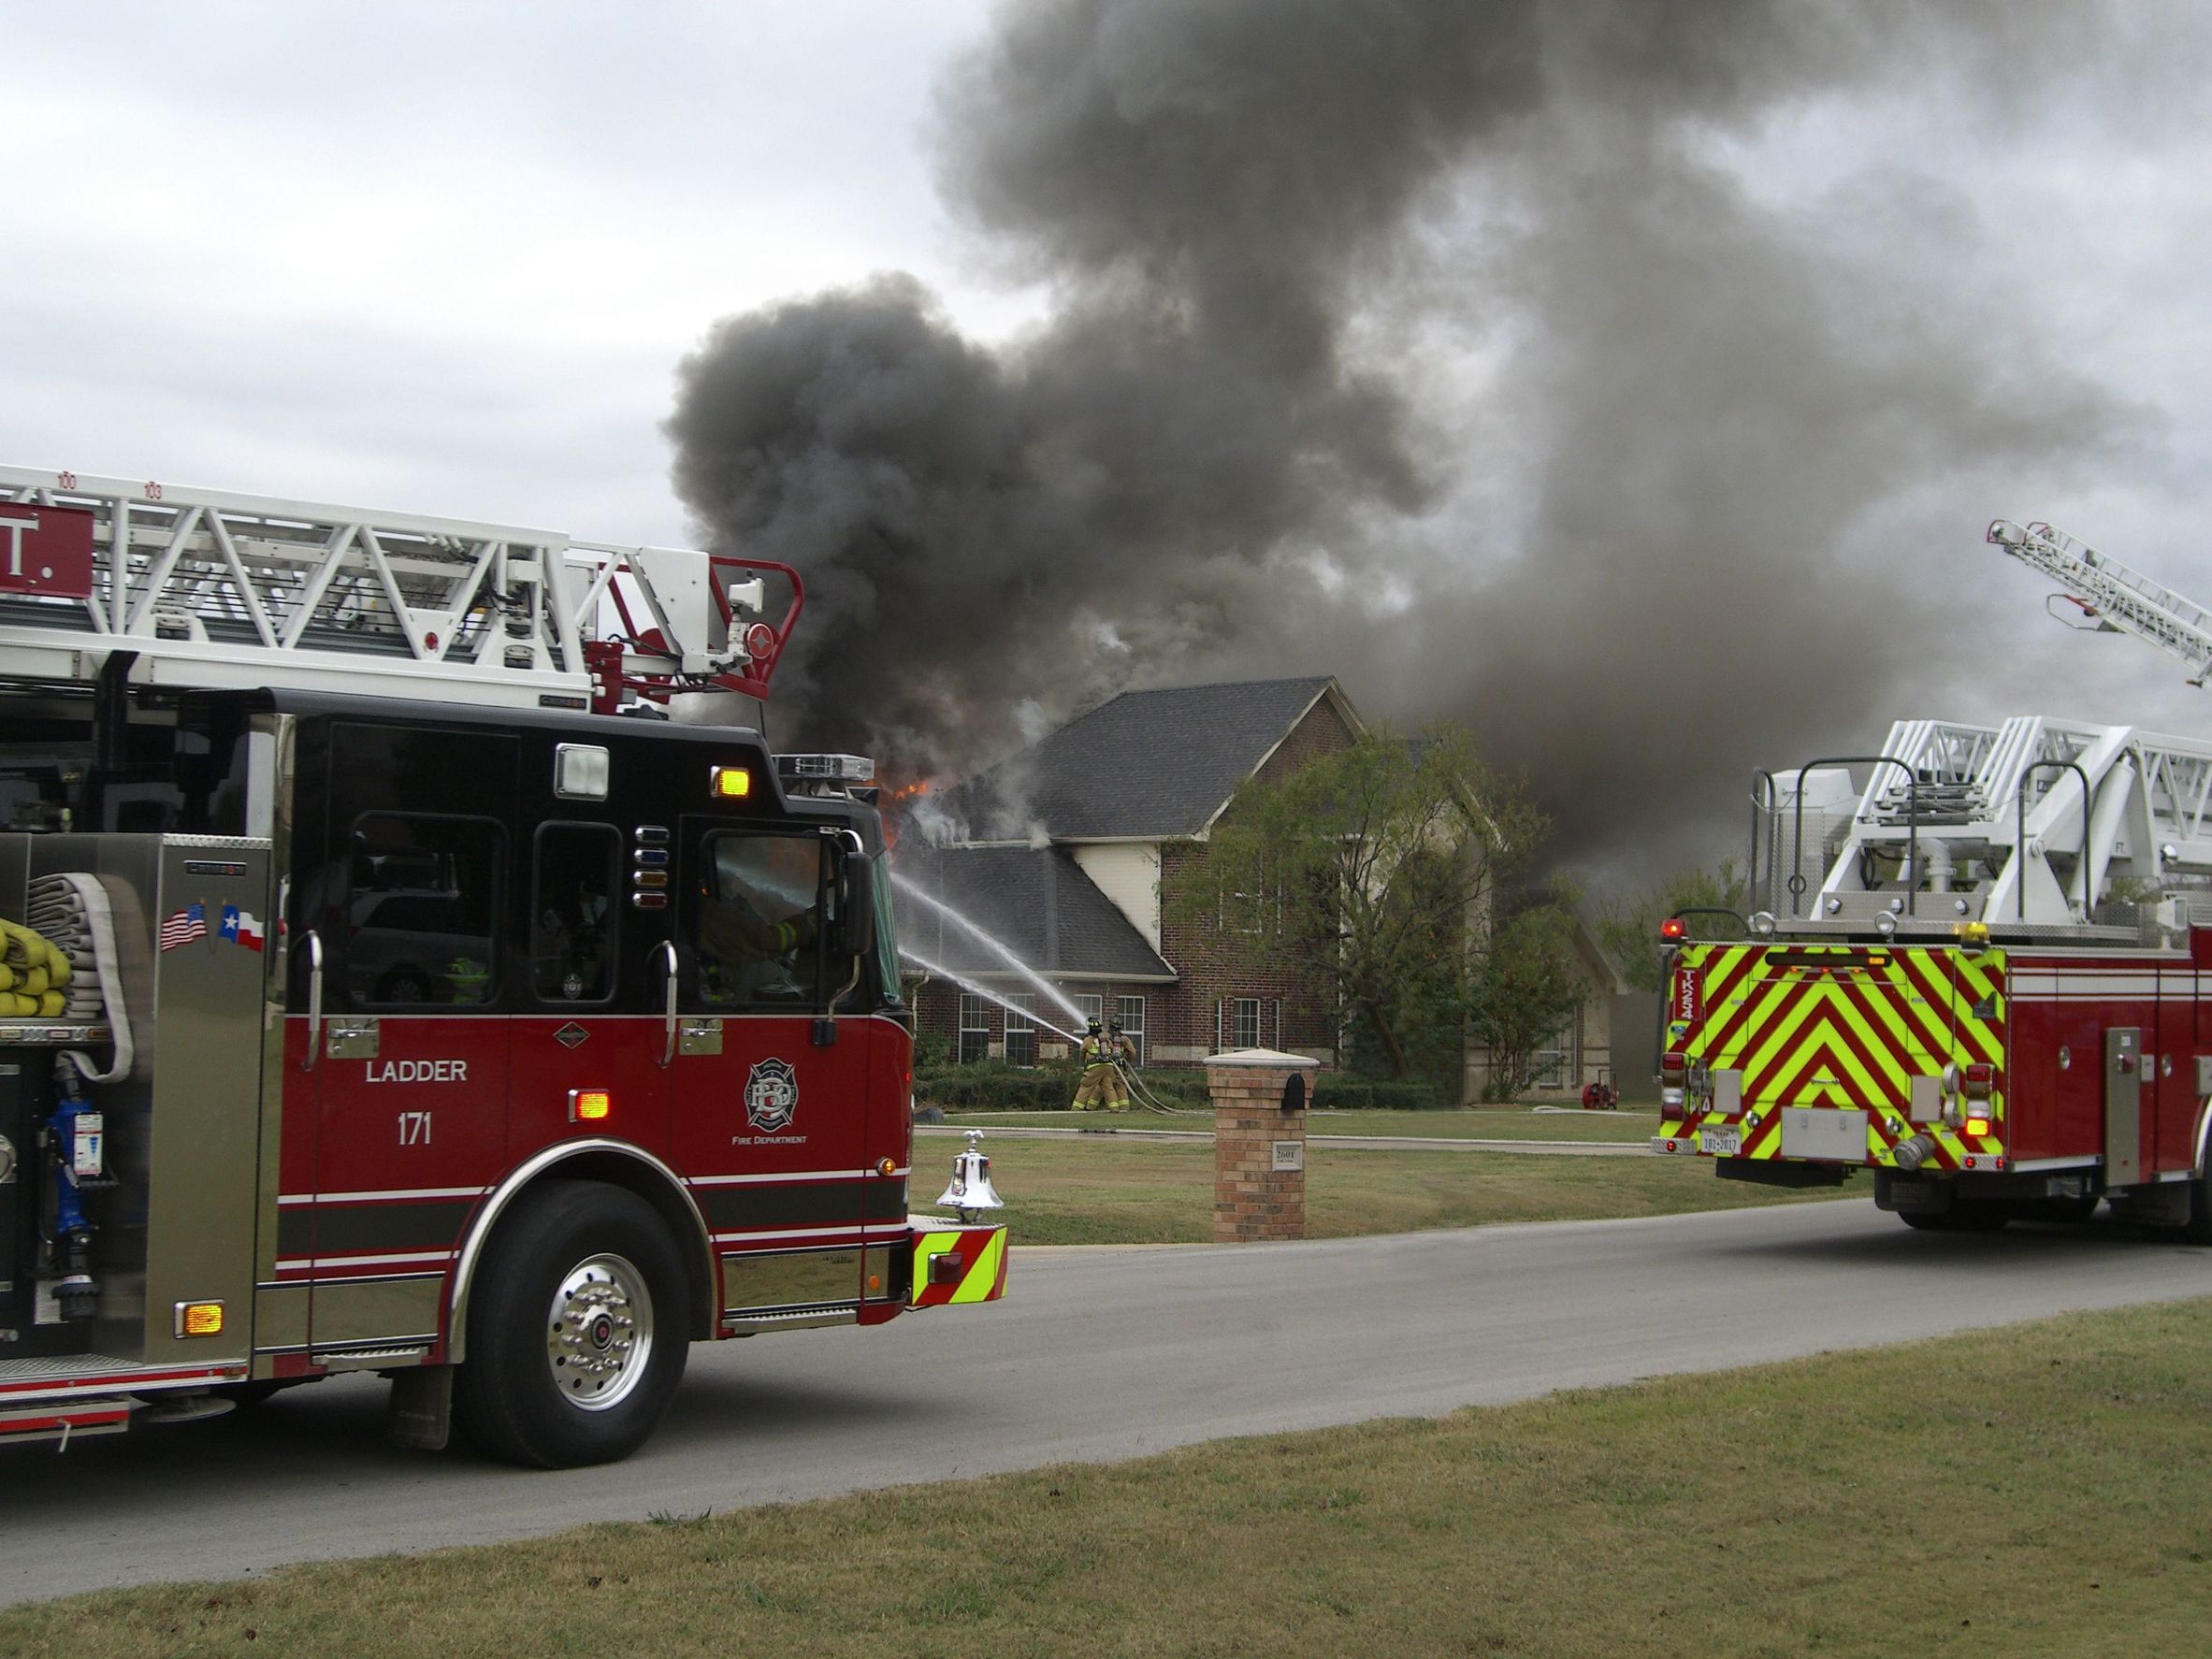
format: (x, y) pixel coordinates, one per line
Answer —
(1098, 1189)
(2035, 1493)
(1502, 1123)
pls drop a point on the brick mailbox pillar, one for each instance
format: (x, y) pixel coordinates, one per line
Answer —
(1258, 1144)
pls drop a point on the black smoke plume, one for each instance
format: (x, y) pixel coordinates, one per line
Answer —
(1439, 344)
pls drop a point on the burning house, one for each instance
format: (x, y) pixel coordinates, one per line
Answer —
(1056, 856)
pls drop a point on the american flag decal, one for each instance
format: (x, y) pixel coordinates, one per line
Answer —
(184, 926)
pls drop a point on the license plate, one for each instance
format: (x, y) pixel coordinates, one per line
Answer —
(1723, 1141)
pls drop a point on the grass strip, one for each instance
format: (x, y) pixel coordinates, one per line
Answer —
(2032, 1491)
(1476, 1124)
(1099, 1190)
(1504, 1123)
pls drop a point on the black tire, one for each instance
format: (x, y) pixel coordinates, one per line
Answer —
(404, 985)
(577, 1278)
(1975, 1216)
(2197, 1230)
(2069, 1212)
(249, 1395)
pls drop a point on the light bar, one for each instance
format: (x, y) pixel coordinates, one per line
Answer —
(836, 768)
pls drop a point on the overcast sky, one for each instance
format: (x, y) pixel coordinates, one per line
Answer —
(439, 256)
(446, 258)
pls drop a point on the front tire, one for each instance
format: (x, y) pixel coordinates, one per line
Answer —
(577, 1330)
(2197, 1230)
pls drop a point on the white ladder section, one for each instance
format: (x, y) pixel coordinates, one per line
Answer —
(229, 591)
(2122, 600)
(2003, 822)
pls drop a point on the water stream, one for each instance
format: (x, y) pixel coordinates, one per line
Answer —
(1060, 998)
(938, 969)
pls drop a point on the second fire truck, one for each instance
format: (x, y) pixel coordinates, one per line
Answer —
(1979, 961)
(384, 988)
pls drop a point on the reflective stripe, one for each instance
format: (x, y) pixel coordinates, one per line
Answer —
(982, 1274)
(1846, 1027)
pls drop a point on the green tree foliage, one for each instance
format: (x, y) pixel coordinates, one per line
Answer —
(1629, 929)
(1377, 873)
(1525, 987)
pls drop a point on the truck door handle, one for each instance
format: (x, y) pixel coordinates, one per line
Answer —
(666, 957)
(314, 1000)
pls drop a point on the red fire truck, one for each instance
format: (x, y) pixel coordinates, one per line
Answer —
(1979, 961)
(388, 986)
(1983, 972)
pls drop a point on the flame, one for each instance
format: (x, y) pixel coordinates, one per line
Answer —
(894, 800)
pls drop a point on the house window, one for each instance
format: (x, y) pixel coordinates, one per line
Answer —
(1247, 905)
(1241, 1015)
(974, 1027)
(1093, 1007)
(1550, 1066)
(1132, 1010)
(1022, 1029)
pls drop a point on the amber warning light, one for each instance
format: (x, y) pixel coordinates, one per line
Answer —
(732, 783)
(589, 1105)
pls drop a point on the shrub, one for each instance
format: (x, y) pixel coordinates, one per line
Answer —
(993, 1086)
(1333, 1092)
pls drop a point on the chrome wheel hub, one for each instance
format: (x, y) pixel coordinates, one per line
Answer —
(600, 1333)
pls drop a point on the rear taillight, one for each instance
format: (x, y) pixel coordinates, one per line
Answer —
(1980, 1081)
(1674, 1069)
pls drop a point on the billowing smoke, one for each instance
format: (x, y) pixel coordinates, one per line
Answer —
(1445, 346)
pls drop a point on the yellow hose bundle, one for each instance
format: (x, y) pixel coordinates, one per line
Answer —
(31, 973)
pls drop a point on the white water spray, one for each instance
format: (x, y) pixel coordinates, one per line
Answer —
(939, 971)
(1065, 1003)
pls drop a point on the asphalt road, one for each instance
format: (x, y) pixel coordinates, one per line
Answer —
(1096, 1355)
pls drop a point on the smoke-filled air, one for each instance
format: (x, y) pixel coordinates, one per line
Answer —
(1459, 348)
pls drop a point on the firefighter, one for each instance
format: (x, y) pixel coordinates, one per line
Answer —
(1098, 1085)
(752, 929)
(1124, 1053)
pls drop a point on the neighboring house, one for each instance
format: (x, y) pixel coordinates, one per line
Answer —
(1059, 858)
(1583, 1049)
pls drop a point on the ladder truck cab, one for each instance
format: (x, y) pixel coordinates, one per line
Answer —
(389, 986)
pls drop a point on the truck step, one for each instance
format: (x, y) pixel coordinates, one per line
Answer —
(66, 1420)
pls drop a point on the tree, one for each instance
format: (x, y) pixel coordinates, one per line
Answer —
(1629, 928)
(1376, 874)
(1527, 986)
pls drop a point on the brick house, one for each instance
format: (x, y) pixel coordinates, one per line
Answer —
(1060, 853)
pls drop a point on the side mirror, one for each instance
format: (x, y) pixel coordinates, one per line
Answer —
(855, 934)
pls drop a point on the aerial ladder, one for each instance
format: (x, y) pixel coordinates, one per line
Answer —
(203, 588)
(2114, 597)
(2024, 825)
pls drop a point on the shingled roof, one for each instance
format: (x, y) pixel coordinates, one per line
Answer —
(1148, 764)
(1036, 900)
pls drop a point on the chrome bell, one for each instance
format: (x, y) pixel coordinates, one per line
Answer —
(970, 1190)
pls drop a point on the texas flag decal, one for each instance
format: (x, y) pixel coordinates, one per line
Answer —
(240, 926)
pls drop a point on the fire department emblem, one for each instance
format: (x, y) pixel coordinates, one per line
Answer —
(771, 1096)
